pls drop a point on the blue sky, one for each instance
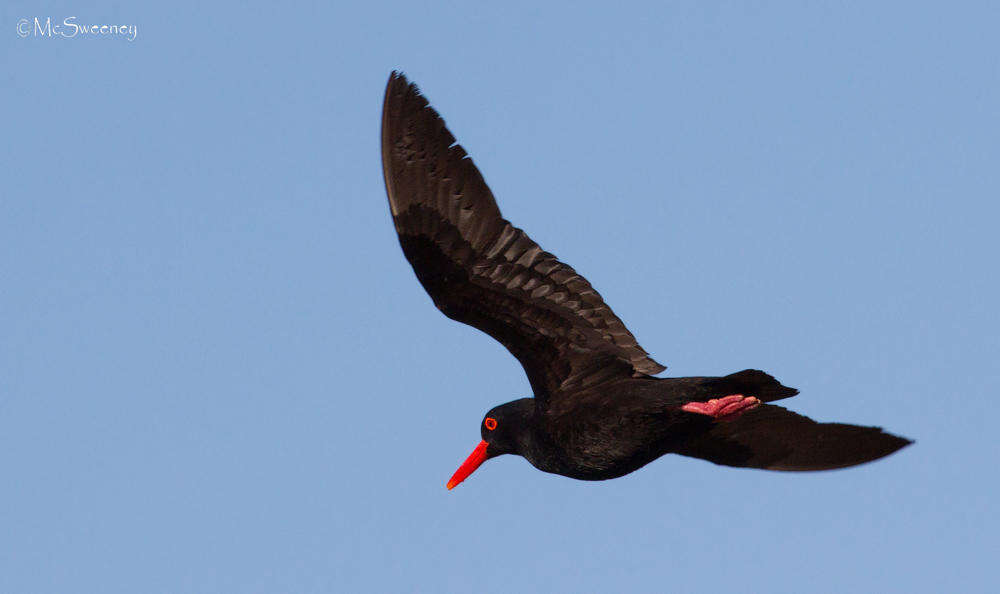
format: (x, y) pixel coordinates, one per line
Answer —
(218, 372)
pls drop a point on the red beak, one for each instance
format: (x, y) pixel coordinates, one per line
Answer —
(477, 457)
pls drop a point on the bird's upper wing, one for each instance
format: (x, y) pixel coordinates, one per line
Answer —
(481, 270)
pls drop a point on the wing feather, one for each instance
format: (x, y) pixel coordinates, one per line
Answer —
(481, 270)
(775, 438)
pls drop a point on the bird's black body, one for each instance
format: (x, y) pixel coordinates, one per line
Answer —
(597, 411)
(611, 430)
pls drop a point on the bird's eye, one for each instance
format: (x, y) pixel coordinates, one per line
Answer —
(490, 423)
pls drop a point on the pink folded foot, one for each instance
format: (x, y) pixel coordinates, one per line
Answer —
(726, 408)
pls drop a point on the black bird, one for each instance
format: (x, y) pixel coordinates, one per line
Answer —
(597, 412)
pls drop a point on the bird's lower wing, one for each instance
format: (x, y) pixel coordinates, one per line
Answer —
(774, 438)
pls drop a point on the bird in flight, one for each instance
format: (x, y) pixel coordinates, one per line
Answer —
(598, 412)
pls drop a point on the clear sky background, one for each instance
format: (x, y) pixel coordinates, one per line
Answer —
(219, 374)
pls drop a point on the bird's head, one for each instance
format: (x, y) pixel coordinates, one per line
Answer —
(503, 429)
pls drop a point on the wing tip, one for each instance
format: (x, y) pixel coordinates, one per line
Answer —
(399, 83)
(877, 444)
(399, 92)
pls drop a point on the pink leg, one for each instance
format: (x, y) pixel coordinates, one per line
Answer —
(726, 408)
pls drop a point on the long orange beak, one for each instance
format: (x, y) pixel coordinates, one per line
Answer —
(477, 457)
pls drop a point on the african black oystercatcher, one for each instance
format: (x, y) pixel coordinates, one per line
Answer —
(597, 412)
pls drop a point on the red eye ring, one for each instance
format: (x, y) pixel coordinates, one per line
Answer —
(490, 423)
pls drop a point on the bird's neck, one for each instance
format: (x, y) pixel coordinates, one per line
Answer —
(526, 438)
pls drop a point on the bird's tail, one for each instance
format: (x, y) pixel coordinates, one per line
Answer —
(752, 382)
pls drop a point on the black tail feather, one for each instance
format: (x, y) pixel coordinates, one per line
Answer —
(753, 382)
